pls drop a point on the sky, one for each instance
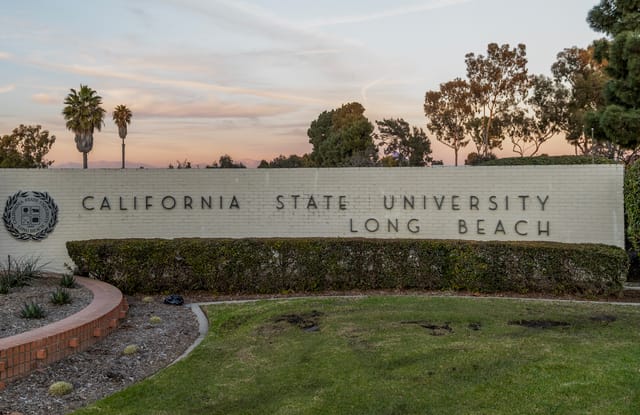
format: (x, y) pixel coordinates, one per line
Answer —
(205, 78)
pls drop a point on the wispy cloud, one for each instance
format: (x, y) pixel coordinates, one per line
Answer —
(205, 109)
(4, 55)
(47, 99)
(196, 85)
(151, 103)
(398, 11)
(6, 88)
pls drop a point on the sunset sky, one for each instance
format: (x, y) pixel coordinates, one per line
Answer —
(247, 77)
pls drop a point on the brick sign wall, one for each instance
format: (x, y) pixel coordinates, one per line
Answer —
(572, 204)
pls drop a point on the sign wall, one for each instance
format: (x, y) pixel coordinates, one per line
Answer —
(42, 209)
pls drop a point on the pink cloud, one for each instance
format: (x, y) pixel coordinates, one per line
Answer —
(46, 99)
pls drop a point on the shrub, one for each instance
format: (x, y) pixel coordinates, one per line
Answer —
(19, 272)
(546, 161)
(632, 204)
(155, 320)
(5, 284)
(60, 388)
(271, 266)
(60, 297)
(32, 310)
(68, 281)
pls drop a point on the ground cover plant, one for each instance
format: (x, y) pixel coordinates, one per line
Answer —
(401, 355)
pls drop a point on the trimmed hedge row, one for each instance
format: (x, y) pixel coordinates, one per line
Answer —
(632, 204)
(256, 266)
(547, 160)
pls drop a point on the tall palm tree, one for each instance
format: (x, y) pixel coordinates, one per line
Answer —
(122, 117)
(83, 114)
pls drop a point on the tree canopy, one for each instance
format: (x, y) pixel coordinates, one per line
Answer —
(226, 162)
(26, 147)
(122, 117)
(293, 161)
(410, 146)
(619, 119)
(449, 111)
(84, 114)
(583, 80)
(342, 137)
(497, 82)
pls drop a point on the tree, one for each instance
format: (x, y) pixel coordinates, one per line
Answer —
(83, 114)
(226, 162)
(291, 162)
(583, 80)
(122, 117)
(410, 146)
(185, 164)
(538, 119)
(475, 159)
(497, 83)
(619, 119)
(26, 147)
(342, 137)
(448, 113)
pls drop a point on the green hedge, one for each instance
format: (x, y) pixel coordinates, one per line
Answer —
(632, 204)
(547, 160)
(253, 266)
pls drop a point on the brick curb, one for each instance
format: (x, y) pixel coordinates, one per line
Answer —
(32, 350)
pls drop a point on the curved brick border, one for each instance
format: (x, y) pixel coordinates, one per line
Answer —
(25, 352)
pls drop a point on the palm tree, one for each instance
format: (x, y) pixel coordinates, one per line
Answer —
(83, 113)
(122, 117)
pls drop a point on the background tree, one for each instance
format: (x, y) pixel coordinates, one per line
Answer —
(539, 118)
(583, 79)
(448, 112)
(122, 117)
(342, 137)
(26, 147)
(83, 113)
(185, 164)
(291, 162)
(226, 162)
(618, 120)
(497, 83)
(410, 146)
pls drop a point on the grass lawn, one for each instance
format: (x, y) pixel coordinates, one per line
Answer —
(402, 355)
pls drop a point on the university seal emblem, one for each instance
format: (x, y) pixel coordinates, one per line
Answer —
(30, 215)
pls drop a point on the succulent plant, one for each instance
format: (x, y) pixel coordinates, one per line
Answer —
(60, 296)
(68, 281)
(32, 310)
(60, 388)
(130, 349)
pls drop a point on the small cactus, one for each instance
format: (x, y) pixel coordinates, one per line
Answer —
(32, 310)
(60, 388)
(68, 281)
(131, 349)
(61, 296)
(155, 320)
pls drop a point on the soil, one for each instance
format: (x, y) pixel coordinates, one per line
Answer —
(39, 292)
(103, 369)
(434, 329)
(308, 322)
(540, 324)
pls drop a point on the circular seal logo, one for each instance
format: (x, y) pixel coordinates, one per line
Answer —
(30, 215)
